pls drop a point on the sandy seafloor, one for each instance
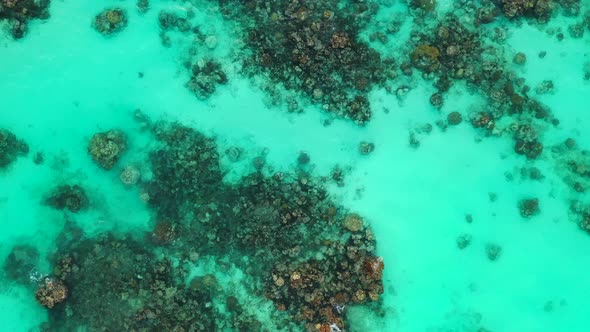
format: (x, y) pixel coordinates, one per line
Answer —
(63, 82)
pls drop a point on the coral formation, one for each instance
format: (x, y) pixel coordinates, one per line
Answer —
(455, 50)
(51, 292)
(169, 21)
(266, 215)
(130, 175)
(116, 283)
(303, 158)
(314, 48)
(21, 263)
(540, 9)
(299, 246)
(19, 12)
(186, 168)
(106, 148)
(519, 58)
(68, 197)
(427, 5)
(10, 148)
(366, 148)
(581, 213)
(573, 166)
(206, 76)
(353, 222)
(110, 21)
(454, 118)
(528, 207)
(463, 241)
(531, 149)
(143, 6)
(425, 57)
(234, 153)
(493, 251)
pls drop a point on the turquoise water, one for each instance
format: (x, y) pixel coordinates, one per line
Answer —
(253, 206)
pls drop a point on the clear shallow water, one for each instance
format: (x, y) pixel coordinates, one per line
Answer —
(64, 82)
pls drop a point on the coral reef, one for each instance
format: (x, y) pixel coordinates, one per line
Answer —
(130, 175)
(463, 241)
(266, 215)
(314, 48)
(581, 214)
(531, 149)
(143, 6)
(68, 197)
(172, 21)
(366, 148)
(455, 50)
(51, 292)
(454, 118)
(234, 153)
(427, 5)
(299, 246)
(493, 251)
(303, 289)
(110, 21)
(169, 21)
(19, 12)
(540, 9)
(573, 166)
(303, 158)
(21, 263)
(585, 222)
(106, 148)
(452, 49)
(117, 284)
(353, 222)
(425, 57)
(186, 168)
(528, 207)
(10, 148)
(519, 58)
(206, 76)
